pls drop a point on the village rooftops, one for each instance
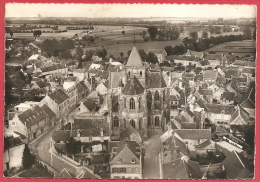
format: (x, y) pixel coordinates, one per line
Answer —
(59, 96)
(213, 56)
(48, 111)
(156, 51)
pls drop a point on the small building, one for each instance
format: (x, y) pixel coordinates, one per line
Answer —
(160, 54)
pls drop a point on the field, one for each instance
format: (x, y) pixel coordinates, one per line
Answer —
(238, 48)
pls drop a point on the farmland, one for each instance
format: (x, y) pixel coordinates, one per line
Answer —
(238, 48)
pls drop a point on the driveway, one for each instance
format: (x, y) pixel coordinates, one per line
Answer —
(151, 165)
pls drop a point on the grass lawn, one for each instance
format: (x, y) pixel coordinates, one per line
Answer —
(35, 172)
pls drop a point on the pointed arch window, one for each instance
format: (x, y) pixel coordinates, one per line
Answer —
(116, 122)
(156, 95)
(132, 103)
(141, 73)
(125, 103)
(140, 123)
(139, 103)
(132, 122)
(164, 95)
(157, 121)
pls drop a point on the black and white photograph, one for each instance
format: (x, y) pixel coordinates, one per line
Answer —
(129, 91)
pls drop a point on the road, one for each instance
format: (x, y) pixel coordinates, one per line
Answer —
(151, 165)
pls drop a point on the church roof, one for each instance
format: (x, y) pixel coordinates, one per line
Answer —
(154, 80)
(134, 58)
(133, 87)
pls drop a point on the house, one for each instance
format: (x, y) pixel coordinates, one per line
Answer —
(50, 113)
(58, 101)
(210, 76)
(237, 166)
(69, 87)
(194, 53)
(126, 161)
(220, 114)
(218, 96)
(88, 106)
(102, 88)
(232, 73)
(227, 98)
(205, 146)
(204, 64)
(40, 85)
(182, 168)
(174, 101)
(227, 148)
(31, 123)
(240, 117)
(160, 53)
(214, 59)
(130, 134)
(25, 106)
(249, 103)
(82, 90)
(193, 137)
(13, 150)
(80, 74)
(88, 130)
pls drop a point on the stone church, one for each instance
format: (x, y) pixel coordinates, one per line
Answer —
(139, 102)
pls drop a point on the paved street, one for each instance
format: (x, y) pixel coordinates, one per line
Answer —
(151, 166)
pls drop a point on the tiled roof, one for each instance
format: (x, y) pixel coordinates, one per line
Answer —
(81, 86)
(61, 135)
(198, 77)
(205, 92)
(218, 108)
(242, 63)
(249, 102)
(124, 135)
(134, 59)
(202, 104)
(48, 111)
(133, 87)
(90, 127)
(236, 166)
(154, 67)
(52, 68)
(239, 117)
(32, 116)
(194, 134)
(41, 84)
(210, 73)
(204, 144)
(59, 96)
(154, 80)
(249, 70)
(194, 53)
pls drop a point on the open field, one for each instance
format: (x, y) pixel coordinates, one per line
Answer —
(238, 48)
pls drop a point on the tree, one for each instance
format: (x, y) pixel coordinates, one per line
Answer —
(142, 54)
(128, 53)
(153, 31)
(73, 146)
(11, 34)
(122, 55)
(79, 53)
(27, 159)
(152, 58)
(144, 34)
(249, 135)
(123, 32)
(193, 36)
(37, 33)
(247, 32)
(169, 50)
(204, 35)
(102, 53)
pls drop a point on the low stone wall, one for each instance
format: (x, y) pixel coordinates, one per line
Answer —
(50, 169)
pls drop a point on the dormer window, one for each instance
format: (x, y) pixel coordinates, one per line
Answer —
(133, 160)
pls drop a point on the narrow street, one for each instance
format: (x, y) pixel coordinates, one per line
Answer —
(151, 165)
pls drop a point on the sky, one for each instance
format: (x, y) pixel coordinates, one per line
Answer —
(129, 10)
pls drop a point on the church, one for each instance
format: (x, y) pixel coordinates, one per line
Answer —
(139, 102)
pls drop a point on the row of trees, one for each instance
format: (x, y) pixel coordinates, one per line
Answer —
(171, 33)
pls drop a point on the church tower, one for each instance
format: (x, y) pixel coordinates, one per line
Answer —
(135, 67)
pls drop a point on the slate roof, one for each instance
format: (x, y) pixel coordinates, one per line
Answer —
(115, 105)
(249, 102)
(229, 96)
(90, 127)
(218, 108)
(194, 134)
(59, 96)
(239, 117)
(116, 78)
(202, 104)
(81, 86)
(64, 174)
(41, 84)
(154, 80)
(61, 135)
(133, 87)
(236, 166)
(134, 59)
(32, 116)
(47, 110)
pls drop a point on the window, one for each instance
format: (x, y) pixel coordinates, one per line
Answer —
(116, 122)
(157, 121)
(13, 123)
(129, 170)
(123, 170)
(124, 102)
(139, 102)
(136, 170)
(129, 74)
(133, 160)
(114, 170)
(140, 123)
(132, 122)
(163, 95)
(156, 95)
(141, 73)
(132, 103)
